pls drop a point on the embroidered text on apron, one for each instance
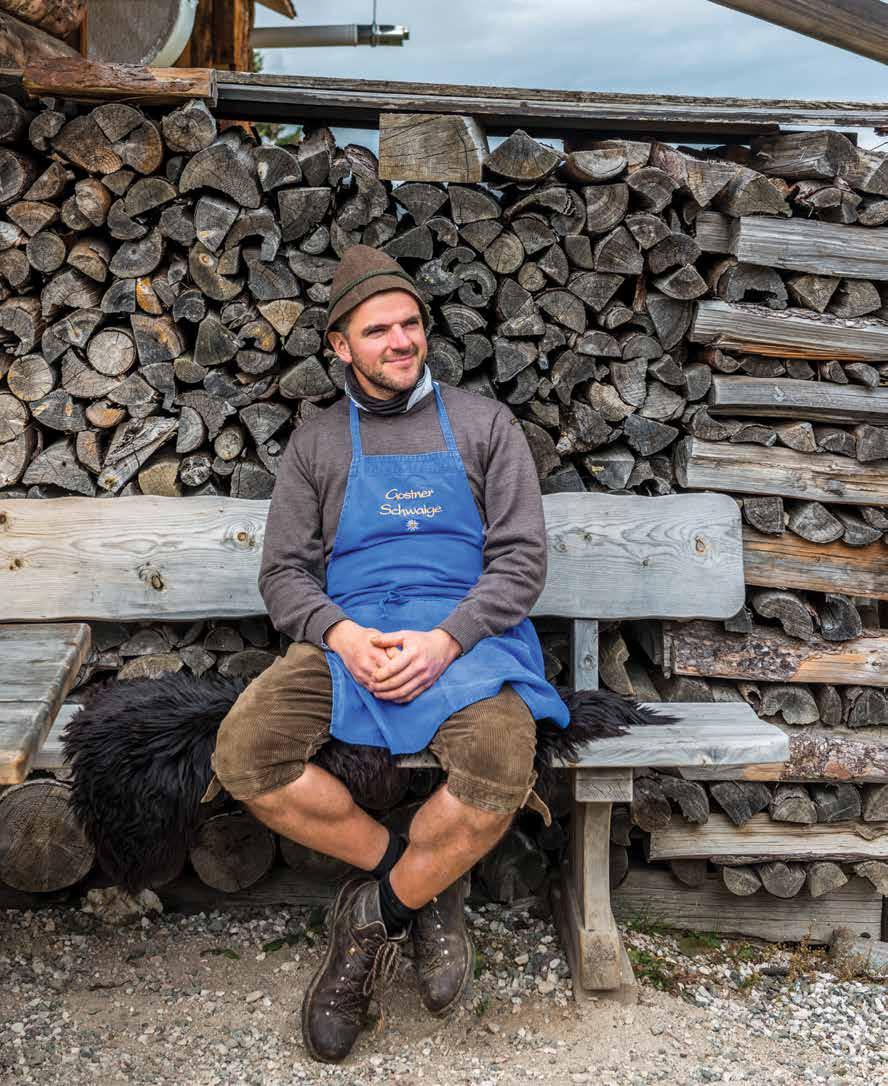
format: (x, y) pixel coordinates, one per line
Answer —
(408, 547)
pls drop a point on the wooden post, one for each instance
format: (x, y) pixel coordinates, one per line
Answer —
(581, 900)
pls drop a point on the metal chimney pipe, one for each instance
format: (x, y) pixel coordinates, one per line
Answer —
(312, 37)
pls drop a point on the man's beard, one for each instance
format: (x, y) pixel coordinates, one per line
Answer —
(381, 382)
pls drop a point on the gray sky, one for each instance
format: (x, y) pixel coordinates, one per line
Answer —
(651, 46)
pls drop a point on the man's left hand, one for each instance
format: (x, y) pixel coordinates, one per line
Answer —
(424, 656)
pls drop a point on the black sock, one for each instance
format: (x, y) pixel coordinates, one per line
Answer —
(394, 850)
(395, 914)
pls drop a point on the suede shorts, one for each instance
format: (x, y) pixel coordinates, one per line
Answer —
(283, 717)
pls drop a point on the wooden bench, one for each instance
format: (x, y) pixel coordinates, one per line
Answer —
(610, 557)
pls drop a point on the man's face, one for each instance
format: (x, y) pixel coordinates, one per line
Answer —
(385, 343)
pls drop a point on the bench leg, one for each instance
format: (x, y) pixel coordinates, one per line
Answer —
(598, 961)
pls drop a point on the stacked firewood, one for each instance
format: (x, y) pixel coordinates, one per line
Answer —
(659, 319)
(850, 818)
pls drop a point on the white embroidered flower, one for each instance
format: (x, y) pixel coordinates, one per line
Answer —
(412, 525)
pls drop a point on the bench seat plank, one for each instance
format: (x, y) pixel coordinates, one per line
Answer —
(710, 733)
(38, 667)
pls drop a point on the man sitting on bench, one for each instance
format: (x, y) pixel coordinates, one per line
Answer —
(404, 549)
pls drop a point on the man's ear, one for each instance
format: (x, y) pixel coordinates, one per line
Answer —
(340, 345)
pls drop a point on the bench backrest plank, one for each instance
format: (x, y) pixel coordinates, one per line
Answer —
(610, 556)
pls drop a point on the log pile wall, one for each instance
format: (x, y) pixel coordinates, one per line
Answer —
(659, 319)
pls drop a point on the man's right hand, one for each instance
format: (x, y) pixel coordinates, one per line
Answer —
(351, 643)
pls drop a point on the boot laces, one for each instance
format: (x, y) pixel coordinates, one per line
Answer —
(383, 968)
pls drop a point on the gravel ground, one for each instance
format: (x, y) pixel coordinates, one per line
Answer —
(213, 999)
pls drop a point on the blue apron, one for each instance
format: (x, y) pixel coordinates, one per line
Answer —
(409, 547)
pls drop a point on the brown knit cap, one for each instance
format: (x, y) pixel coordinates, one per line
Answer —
(363, 272)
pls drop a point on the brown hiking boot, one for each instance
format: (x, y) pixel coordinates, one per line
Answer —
(359, 956)
(443, 951)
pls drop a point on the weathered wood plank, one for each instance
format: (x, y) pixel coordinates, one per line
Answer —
(657, 896)
(808, 245)
(619, 558)
(788, 561)
(815, 754)
(38, 666)
(741, 468)
(609, 556)
(761, 836)
(766, 653)
(783, 397)
(431, 147)
(710, 734)
(789, 333)
(91, 81)
(545, 112)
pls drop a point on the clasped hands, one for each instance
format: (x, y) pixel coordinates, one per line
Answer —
(395, 666)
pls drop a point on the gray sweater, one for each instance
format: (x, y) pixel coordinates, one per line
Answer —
(310, 488)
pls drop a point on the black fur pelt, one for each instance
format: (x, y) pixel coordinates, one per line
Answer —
(140, 752)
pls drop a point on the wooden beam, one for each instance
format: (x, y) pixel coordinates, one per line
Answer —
(767, 654)
(761, 836)
(557, 113)
(815, 754)
(806, 245)
(860, 26)
(90, 81)
(785, 398)
(790, 333)
(788, 561)
(748, 469)
(656, 896)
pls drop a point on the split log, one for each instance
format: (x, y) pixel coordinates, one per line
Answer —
(877, 873)
(232, 851)
(790, 611)
(650, 807)
(780, 878)
(875, 803)
(824, 876)
(791, 803)
(742, 880)
(431, 147)
(740, 800)
(520, 158)
(802, 155)
(42, 846)
(690, 872)
(835, 802)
